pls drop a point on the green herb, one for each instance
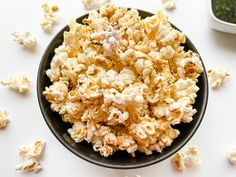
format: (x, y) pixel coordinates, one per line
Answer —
(225, 10)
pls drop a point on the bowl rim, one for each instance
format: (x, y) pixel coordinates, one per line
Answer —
(113, 166)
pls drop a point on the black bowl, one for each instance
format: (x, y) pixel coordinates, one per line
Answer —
(120, 160)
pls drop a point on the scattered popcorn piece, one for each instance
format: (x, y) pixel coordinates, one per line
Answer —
(19, 84)
(94, 4)
(192, 158)
(188, 158)
(232, 156)
(123, 82)
(178, 161)
(31, 155)
(24, 38)
(3, 118)
(30, 165)
(217, 77)
(169, 4)
(49, 18)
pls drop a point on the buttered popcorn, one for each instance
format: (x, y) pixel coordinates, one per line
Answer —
(123, 82)
(19, 83)
(49, 18)
(31, 155)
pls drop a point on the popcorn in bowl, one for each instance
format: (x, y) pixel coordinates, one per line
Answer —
(123, 82)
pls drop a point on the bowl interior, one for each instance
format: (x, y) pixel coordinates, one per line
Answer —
(120, 160)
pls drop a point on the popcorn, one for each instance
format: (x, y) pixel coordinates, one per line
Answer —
(95, 73)
(54, 72)
(139, 65)
(56, 92)
(186, 88)
(144, 129)
(19, 84)
(78, 132)
(217, 77)
(189, 67)
(113, 79)
(106, 151)
(188, 158)
(31, 155)
(187, 109)
(169, 4)
(117, 116)
(111, 42)
(49, 18)
(178, 161)
(232, 156)
(88, 89)
(94, 4)
(24, 38)
(71, 108)
(167, 52)
(192, 158)
(3, 119)
(166, 35)
(176, 112)
(30, 165)
(123, 82)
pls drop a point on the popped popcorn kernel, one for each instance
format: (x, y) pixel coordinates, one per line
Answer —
(178, 161)
(187, 158)
(24, 38)
(49, 18)
(94, 4)
(30, 165)
(31, 155)
(217, 77)
(169, 4)
(3, 118)
(19, 83)
(232, 156)
(123, 82)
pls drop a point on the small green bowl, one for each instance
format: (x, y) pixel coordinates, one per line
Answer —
(121, 159)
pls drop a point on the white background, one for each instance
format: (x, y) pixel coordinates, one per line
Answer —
(214, 137)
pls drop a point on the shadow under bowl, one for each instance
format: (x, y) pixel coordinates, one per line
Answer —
(121, 159)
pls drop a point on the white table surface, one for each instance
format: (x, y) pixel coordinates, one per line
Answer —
(214, 137)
